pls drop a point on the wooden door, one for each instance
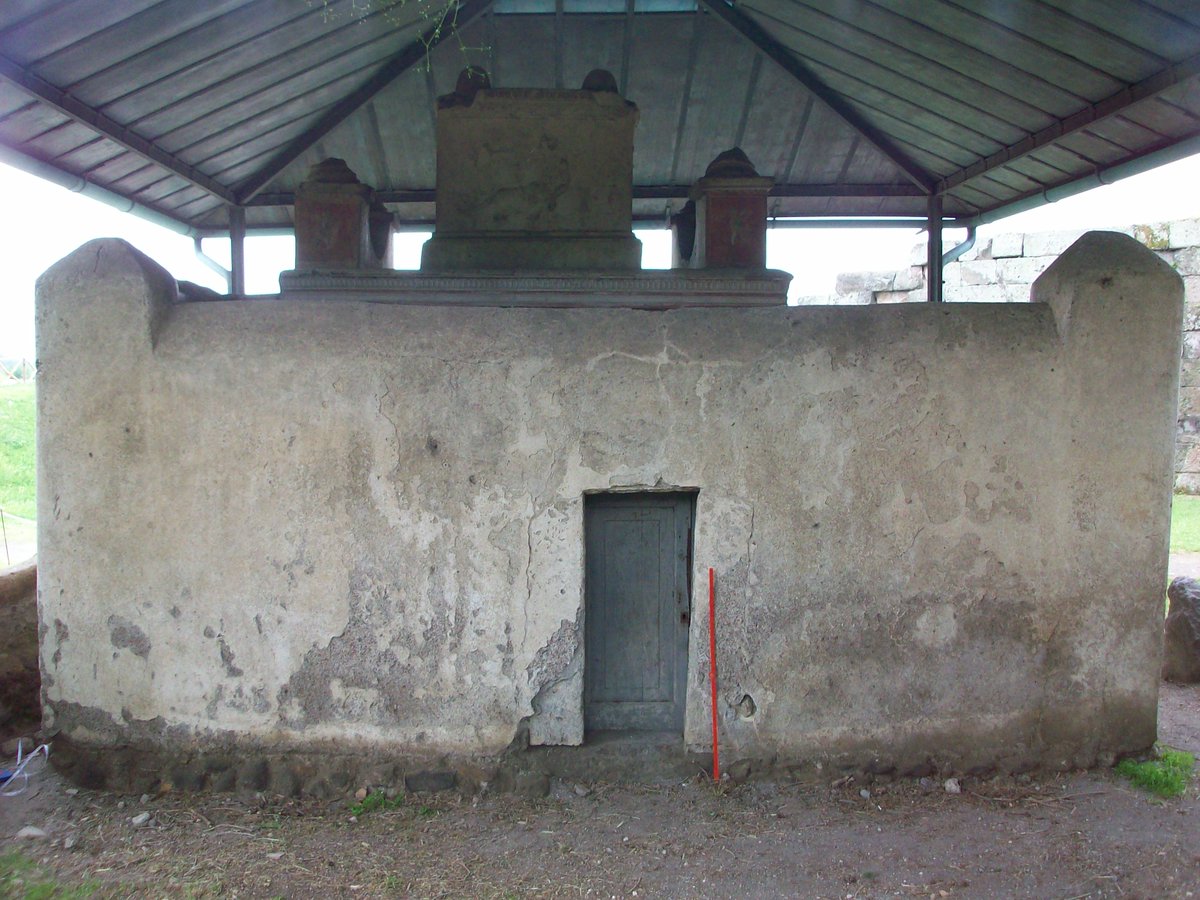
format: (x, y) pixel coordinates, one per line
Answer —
(637, 607)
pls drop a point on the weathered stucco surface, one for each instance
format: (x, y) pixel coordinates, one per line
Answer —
(288, 523)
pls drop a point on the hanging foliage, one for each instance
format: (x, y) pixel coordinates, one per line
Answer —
(440, 17)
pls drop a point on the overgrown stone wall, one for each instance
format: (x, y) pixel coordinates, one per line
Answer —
(940, 533)
(1003, 268)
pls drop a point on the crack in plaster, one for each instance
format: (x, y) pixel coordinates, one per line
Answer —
(528, 574)
(749, 588)
(395, 428)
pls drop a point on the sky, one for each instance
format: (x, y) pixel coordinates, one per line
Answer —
(43, 223)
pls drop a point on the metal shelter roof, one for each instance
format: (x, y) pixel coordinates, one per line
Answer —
(854, 107)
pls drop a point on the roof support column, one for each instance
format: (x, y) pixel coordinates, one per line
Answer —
(237, 251)
(933, 254)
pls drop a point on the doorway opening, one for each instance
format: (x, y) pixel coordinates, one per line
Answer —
(637, 610)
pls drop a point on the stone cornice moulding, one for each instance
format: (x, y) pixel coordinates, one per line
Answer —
(668, 289)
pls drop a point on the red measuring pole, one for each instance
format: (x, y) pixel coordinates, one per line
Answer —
(712, 665)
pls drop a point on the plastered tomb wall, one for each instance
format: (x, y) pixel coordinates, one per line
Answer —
(280, 524)
(1002, 269)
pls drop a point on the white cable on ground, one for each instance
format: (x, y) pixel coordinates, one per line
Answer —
(19, 772)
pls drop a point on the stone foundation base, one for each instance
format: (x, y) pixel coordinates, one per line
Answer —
(318, 775)
(314, 774)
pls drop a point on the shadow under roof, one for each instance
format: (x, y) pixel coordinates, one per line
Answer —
(855, 108)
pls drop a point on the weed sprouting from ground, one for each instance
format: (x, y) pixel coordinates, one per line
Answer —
(376, 801)
(1165, 776)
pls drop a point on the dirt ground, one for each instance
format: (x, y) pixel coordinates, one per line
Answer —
(1074, 836)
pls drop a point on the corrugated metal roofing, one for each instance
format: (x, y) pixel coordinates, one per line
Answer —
(854, 107)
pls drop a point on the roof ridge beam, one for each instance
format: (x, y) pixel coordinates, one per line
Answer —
(458, 14)
(1105, 109)
(79, 111)
(786, 60)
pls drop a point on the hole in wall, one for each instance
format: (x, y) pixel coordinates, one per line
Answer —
(746, 707)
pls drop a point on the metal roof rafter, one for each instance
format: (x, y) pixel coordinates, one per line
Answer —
(1077, 122)
(457, 16)
(926, 84)
(641, 192)
(109, 128)
(786, 60)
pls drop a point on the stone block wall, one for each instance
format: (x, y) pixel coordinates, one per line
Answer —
(1003, 268)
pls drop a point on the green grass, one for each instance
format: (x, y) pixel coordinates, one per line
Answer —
(21, 878)
(1166, 776)
(17, 496)
(1185, 524)
(376, 801)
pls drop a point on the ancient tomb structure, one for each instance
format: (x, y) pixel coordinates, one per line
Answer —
(534, 179)
(300, 544)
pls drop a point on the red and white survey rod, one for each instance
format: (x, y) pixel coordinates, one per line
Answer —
(712, 665)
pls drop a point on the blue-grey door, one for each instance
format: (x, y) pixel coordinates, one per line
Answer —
(637, 608)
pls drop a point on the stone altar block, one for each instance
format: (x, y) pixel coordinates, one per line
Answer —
(339, 225)
(731, 214)
(534, 179)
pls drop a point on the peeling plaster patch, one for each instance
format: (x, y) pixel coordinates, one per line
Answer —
(1001, 496)
(355, 702)
(240, 699)
(376, 673)
(61, 635)
(79, 720)
(214, 701)
(90, 723)
(936, 627)
(556, 684)
(552, 660)
(261, 703)
(227, 660)
(300, 563)
(940, 505)
(507, 666)
(124, 635)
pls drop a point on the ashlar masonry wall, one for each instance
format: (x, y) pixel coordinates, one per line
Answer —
(1003, 269)
(273, 530)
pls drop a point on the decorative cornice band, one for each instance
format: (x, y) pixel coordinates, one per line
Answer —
(642, 289)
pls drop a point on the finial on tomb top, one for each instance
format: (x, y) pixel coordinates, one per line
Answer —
(471, 81)
(601, 81)
(733, 163)
(331, 171)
